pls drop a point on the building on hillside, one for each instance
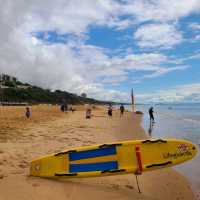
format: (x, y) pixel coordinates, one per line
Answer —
(23, 86)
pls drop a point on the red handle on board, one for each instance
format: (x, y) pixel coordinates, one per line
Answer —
(139, 160)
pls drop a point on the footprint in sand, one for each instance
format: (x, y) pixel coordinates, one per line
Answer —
(115, 186)
(23, 164)
(35, 184)
(76, 139)
(17, 172)
(129, 187)
(2, 176)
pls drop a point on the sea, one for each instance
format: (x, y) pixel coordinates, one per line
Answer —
(177, 121)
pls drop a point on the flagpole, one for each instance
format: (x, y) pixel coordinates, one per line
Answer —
(133, 101)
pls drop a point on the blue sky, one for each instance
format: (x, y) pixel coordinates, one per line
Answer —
(106, 47)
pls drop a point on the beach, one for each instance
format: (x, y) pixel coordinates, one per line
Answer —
(50, 131)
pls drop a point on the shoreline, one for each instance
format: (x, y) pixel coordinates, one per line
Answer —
(169, 126)
(45, 134)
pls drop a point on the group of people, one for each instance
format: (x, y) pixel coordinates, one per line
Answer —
(109, 111)
(64, 108)
(122, 109)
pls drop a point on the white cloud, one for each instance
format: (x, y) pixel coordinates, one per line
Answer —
(195, 26)
(181, 93)
(162, 10)
(197, 37)
(158, 36)
(99, 92)
(163, 71)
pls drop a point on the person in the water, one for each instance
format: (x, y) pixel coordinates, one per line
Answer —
(151, 115)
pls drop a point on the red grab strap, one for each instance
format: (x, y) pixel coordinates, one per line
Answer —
(139, 161)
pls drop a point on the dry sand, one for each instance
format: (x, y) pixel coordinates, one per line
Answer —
(50, 131)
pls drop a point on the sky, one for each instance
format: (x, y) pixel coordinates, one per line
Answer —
(104, 48)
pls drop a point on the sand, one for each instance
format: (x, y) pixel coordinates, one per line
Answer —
(50, 131)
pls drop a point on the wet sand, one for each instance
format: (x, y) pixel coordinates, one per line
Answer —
(50, 131)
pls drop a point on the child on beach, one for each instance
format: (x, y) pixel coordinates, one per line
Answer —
(121, 110)
(28, 112)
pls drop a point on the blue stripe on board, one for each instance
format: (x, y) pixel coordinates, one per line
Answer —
(92, 153)
(88, 167)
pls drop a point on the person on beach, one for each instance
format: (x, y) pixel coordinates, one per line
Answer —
(28, 112)
(121, 110)
(110, 110)
(151, 115)
(72, 109)
(62, 108)
(88, 112)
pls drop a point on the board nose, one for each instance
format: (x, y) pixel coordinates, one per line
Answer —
(34, 168)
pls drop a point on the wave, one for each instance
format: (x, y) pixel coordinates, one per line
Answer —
(194, 121)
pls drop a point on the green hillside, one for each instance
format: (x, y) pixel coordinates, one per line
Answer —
(12, 90)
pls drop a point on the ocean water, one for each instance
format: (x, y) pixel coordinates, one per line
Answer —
(177, 121)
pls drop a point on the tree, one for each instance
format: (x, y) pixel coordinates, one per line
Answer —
(84, 95)
(9, 84)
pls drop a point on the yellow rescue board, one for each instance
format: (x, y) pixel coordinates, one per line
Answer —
(134, 156)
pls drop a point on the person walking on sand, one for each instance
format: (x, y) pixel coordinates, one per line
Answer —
(62, 108)
(151, 115)
(121, 110)
(28, 112)
(110, 110)
(88, 112)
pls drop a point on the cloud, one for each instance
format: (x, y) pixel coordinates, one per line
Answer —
(181, 93)
(197, 37)
(195, 26)
(160, 11)
(99, 92)
(163, 71)
(158, 36)
(193, 56)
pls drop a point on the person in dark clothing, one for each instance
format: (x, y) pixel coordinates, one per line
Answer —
(121, 110)
(151, 115)
(28, 112)
(62, 108)
(110, 110)
(88, 111)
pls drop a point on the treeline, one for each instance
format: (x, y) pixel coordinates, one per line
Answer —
(35, 95)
